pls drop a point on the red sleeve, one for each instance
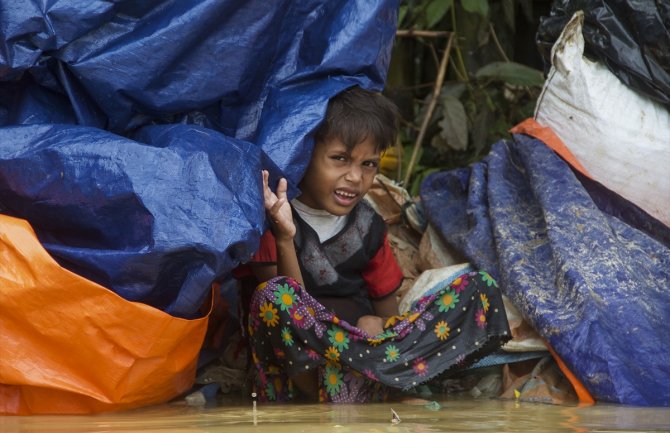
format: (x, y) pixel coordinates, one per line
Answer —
(383, 275)
(267, 253)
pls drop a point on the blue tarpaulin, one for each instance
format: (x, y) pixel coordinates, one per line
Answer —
(132, 134)
(589, 270)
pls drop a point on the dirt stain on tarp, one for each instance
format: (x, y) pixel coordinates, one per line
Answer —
(451, 416)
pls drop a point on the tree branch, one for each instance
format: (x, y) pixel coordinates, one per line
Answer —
(431, 108)
(421, 34)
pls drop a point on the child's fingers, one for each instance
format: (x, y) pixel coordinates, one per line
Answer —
(268, 195)
(273, 202)
(282, 186)
(274, 210)
(266, 176)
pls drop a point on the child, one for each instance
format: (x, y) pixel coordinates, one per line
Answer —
(329, 324)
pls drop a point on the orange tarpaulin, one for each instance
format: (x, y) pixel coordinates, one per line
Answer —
(549, 137)
(68, 345)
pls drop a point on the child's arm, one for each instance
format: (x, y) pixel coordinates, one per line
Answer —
(278, 210)
(383, 277)
(384, 309)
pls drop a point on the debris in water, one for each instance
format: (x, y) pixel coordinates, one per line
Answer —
(395, 419)
(253, 410)
(196, 398)
(517, 395)
(203, 395)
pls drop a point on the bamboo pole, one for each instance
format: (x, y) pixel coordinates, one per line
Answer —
(497, 42)
(421, 34)
(431, 107)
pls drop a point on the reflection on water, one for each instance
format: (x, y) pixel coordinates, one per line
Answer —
(450, 416)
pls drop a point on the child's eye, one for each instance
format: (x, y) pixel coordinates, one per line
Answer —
(339, 157)
(371, 164)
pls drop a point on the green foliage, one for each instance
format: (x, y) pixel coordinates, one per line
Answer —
(424, 14)
(480, 7)
(484, 93)
(511, 73)
(453, 126)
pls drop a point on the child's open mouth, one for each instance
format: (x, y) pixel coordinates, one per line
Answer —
(345, 198)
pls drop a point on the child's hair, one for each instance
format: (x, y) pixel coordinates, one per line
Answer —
(356, 114)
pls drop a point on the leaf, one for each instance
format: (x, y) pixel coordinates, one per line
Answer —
(406, 156)
(480, 7)
(436, 10)
(422, 109)
(512, 73)
(528, 109)
(480, 128)
(454, 124)
(500, 129)
(402, 13)
(454, 89)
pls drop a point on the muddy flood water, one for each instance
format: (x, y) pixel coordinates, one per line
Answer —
(438, 416)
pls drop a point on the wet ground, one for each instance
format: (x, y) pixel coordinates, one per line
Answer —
(441, 416)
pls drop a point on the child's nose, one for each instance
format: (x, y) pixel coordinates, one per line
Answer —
(354, 174)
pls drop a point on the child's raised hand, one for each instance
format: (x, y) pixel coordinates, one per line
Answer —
(278, 208)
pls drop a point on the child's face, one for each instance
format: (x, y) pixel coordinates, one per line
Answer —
(337, 178)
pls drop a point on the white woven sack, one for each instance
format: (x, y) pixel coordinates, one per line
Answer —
(622, 138)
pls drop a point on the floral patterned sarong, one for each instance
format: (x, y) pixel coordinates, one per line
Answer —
(291, 333)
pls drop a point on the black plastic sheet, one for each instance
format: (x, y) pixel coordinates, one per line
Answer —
(631, 37)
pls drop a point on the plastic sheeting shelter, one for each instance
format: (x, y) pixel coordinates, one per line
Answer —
(132, 138)
(70, 345)
(589, 270)
(133, 132)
